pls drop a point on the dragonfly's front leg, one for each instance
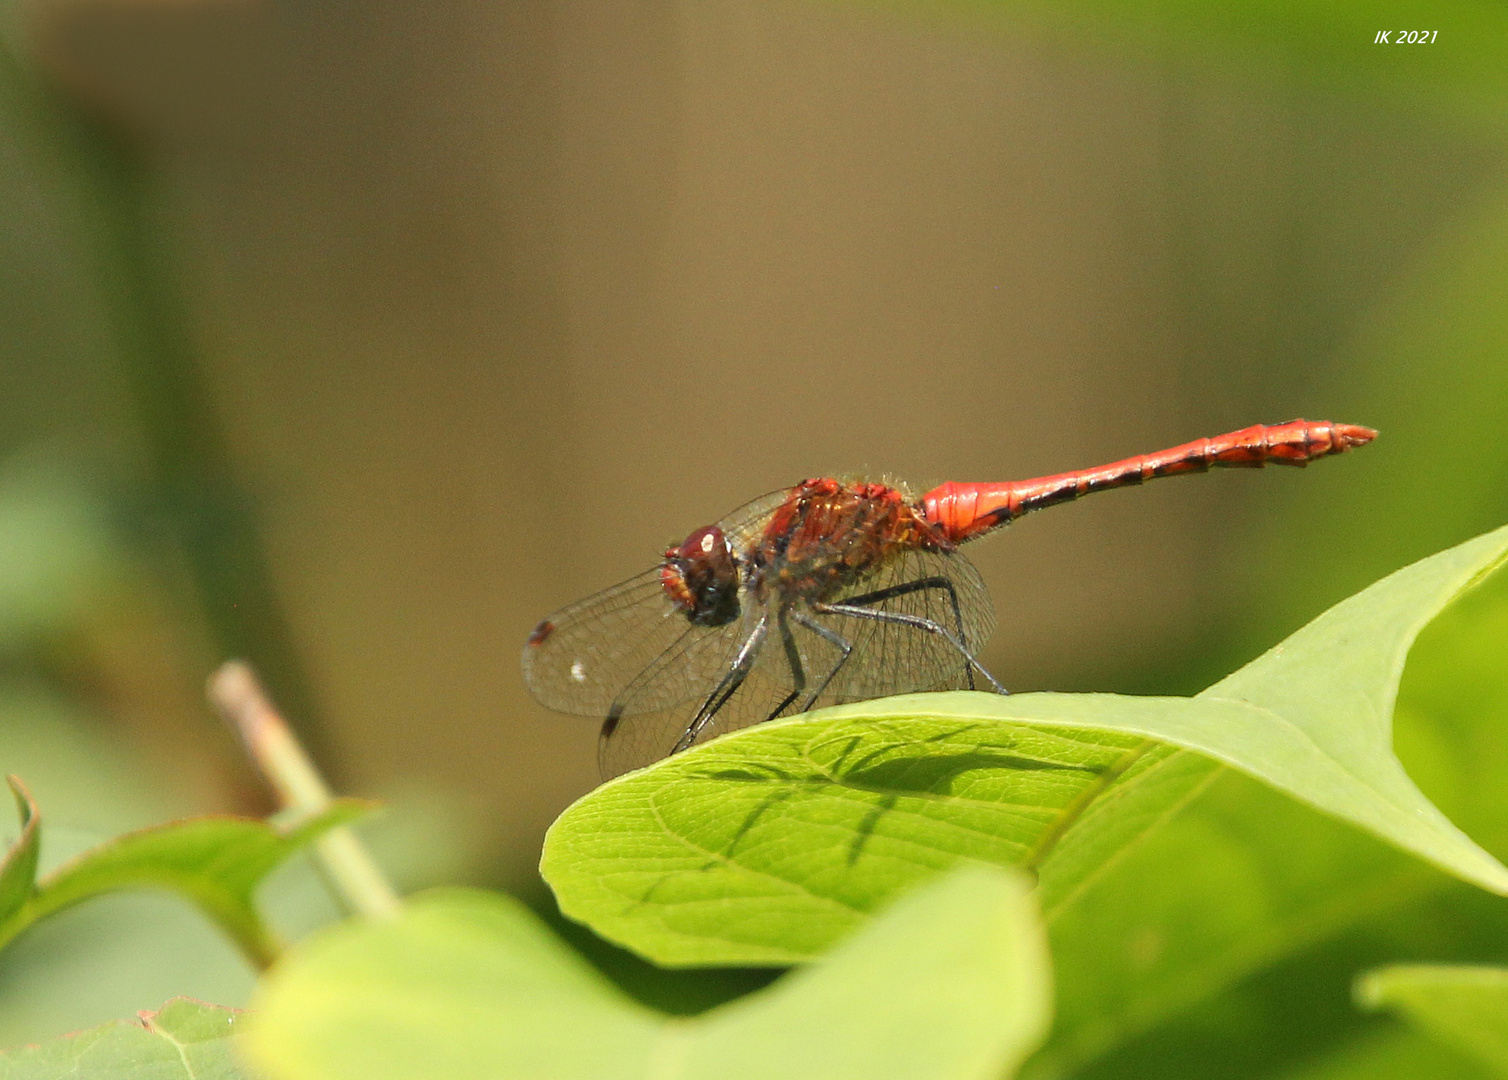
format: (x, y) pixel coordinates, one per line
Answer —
(737, 672)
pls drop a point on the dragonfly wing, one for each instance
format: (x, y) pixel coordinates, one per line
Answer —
(895, 658)
(579, 659)
(585, 657)
(642, 737)
(687, 670)
(887, 658)
(627, 649)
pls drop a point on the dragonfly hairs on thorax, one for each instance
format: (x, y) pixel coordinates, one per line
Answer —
(825, 592)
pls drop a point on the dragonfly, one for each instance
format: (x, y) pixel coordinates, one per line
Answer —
(831, 591)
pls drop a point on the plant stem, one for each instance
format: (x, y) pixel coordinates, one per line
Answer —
(348, 867)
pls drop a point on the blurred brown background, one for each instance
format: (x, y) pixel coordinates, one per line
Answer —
(490, 302)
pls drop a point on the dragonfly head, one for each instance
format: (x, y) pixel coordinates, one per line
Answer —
(701, 577)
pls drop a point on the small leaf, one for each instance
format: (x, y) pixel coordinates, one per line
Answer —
(766, 845)
(951, 983)
(18, 871)
(185, 1040)
(1462, 1006)
(214, 862)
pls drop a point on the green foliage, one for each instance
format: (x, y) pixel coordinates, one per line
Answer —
(19, 868)
(129, 951)
(1224, 942)
(214, 862)
(185, 1040)
(951, 982)
(1390, 1055)
(766, 846)
(1466, 1007)
(1178, 845)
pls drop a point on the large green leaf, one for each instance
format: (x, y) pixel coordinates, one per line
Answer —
(1239, 883)
(215, 862)
(1223, 942)
(1465, 1007)
(185, 1040)
(952, 982)
(765, 846)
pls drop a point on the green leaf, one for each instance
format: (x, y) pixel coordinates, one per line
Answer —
(1396, 1054)
(214, 862)
(185, 1040)
(1465, 1007)
(766, 845)
(1237, 883)
(18, 871)
(951, 982)
(1223, 937)
(127, 952)
(1331, 688)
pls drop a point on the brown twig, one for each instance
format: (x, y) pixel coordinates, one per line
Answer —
(238, 696)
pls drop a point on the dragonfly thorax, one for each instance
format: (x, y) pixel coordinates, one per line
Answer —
(828, 535)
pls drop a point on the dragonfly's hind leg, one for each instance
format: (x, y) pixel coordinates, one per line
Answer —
(915, 621)
(922, 585)
(737, 672)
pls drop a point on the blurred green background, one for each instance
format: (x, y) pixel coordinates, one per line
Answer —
(352, 337)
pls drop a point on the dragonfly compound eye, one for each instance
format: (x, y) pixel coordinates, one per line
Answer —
(701, 577)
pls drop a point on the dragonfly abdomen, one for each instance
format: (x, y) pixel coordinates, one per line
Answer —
(964, 511)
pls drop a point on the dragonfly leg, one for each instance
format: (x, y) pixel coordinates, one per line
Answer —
(911, 620)
(793, 659)
(921, 585)
(843, 644)
(737, 672)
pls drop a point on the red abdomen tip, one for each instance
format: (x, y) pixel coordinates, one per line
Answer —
(1354, 434)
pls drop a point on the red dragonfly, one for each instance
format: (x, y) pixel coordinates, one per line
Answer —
(830, 591)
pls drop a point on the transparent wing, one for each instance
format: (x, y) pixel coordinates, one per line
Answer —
(645, 738)
(746, 524)
(887, 658)
(581, 657)
(629, 644)
(895, 658)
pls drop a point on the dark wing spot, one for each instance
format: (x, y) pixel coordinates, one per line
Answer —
(541, 632)
(610, 725)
